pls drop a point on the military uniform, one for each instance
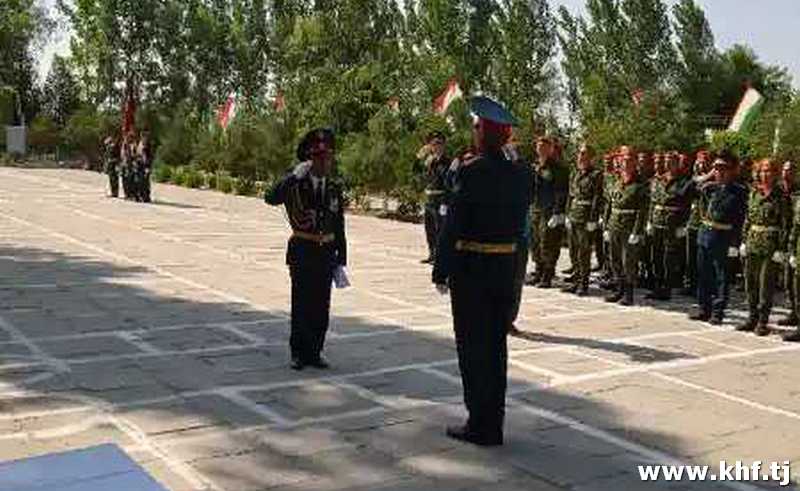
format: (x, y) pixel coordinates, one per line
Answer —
(670, 202)
(477, 259)
(111, 155)
(315, 250)
(435, 202)
(551, 190)
(626, 224)
(766, 233)
(789, 270)
(692, 229)
(721, 209)
(585, 208)
(144, 165)
(794, 252)
(127, 166)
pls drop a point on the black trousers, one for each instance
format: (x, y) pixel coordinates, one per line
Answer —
(311, 301)
(433, 224)
(113, 179)
(690, 272)
(143, 184)
(713, 286)
(482, 297)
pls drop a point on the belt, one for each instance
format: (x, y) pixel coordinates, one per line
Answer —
(318, 238)
(764, 228)
(624, 212)
(668, 208)
(583, 202)
(717, 226)
(483, 248)
(433, 192)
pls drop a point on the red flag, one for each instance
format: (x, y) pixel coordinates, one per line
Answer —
(129, 113)
(450, 94)
(637, 96)
(279, 104)
(227, 112)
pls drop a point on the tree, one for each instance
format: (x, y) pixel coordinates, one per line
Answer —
(61, 93)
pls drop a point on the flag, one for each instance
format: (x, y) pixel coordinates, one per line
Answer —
(279, 104)
(227, 112)
(129, 113)
(748, 111)
(637, 96)
(450, 94)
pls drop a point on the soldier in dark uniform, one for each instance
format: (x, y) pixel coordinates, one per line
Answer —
(585, 208)
(144, 167)
(722, 205)
(670, 199)
(436, 166)
(766, 236)
(477, 260)
(127, 159)
(111, 154)
(626, 227)
(787, 183)
(794, 253)
(317, 250)
(512, 153)
(550, 193)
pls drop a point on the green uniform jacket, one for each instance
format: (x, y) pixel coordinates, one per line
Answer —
(768, 222)
(629, 208)
(793, 242)
(670, 201)
(586, 196)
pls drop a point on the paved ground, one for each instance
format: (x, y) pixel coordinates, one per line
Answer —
(163, 328)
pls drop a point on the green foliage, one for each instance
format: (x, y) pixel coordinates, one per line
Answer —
(178, 139)
(225, 183)
(85, 131)
(43, 135)
(162, 173)
(735, 143)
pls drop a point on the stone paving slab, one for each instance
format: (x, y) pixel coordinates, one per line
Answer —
(163, 328)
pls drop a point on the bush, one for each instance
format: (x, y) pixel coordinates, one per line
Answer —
(162, 173)
(225, 183)
(43, 135)
(193, 178)
(85, 131)
(178, 176)
(179, 139)
(244, 186)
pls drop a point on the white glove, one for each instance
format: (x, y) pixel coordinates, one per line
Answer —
(591, 227)
(733, 252)
(649, 229)
(301, 169)
(443, 210)
(680, 233)
(778, 257)
(568, 224)
(793, 261)
(442, 289)
(634, 239)
(600, 222)
(743, 250)
(606, 236)
(555, 221)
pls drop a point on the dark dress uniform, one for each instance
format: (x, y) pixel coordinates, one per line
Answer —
(316, 248)
(477, 259)
(435, 202)
(721, 208)
(144, 167)
(550, 194)
(670, 207)
(111, 157)
(766, 232)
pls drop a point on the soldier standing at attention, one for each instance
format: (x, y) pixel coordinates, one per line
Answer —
(646, 170)
(670, 198)
(477, 260)
(787, 183)
(766, 236)
(144, 153)
(436, 166)
(512, 154)
(585, 207)
(794, 253)
(722, 205)
(317, 250)
(609, 180)
(111, 154)
(127, 163)
(626, 227)
(702, 166)
(551, 190)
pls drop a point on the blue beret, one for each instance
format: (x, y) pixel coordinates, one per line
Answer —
(489, 109)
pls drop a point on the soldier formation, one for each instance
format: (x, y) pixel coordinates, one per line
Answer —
(672, 223)
(131, 161)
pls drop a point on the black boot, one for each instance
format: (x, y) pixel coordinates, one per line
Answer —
(546, 281)
(616, 297)
(701, 315)
(465, 434)
(627, 297)
(792, 337)
(583, 290)
(751, 322)
(762, 329)
(533, 279)
(790, 320)
(570, 289)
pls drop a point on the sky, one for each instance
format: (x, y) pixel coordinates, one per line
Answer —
(770, 27)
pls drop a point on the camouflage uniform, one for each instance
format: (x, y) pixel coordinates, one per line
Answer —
(766, 232)
(669, 212)
(111, 158)
(790, 271)
(585, 207)
(551, 189)
(692, 228)
(629, 207)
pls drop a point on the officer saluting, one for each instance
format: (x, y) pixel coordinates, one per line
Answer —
(477, 260)
(317, 250)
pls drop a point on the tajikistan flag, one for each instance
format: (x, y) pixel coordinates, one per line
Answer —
(748, 111)
(450, 94)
